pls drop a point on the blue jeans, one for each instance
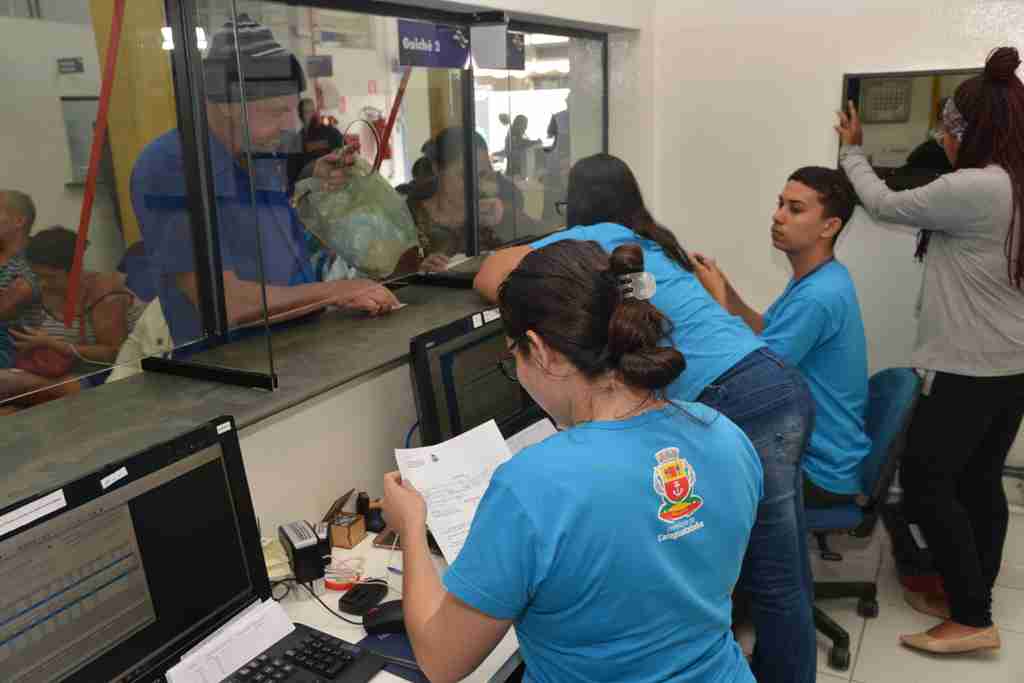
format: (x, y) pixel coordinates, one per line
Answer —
(771, 403)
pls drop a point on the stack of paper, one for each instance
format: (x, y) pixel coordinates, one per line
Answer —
(278, 566)
(233, 645)
(453, 476)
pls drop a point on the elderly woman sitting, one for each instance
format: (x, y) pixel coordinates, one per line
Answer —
(51, 355)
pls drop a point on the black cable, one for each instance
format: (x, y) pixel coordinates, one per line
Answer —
(397, 661)
(340, 616)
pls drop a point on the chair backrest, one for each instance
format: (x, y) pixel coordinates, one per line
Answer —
(892, 395)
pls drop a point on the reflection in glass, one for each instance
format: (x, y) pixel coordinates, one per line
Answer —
(539, 120)
(57, 73)
(411, 214)
(901, 114)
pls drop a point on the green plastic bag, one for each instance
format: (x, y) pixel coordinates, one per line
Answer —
(366, 222)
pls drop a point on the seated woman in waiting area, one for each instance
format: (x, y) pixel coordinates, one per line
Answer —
(51, 355)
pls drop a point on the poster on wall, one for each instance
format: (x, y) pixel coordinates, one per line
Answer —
(434, 45)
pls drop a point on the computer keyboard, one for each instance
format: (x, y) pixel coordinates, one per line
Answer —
(307, 655)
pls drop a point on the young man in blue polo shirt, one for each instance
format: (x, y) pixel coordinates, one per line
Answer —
(250, 194)
(815, 325)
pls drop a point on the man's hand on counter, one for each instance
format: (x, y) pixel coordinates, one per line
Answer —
(362, 295)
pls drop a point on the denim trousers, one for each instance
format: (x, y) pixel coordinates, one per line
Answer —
(771, 403)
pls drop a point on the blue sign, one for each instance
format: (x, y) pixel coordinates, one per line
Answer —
(435, 45)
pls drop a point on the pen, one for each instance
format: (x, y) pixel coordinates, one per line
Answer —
(399, 661)
(395, 570)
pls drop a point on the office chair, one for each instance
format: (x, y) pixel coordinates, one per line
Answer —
(892, 395)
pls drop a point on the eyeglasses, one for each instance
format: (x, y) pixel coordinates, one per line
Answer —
(507, 364)
(560, 207)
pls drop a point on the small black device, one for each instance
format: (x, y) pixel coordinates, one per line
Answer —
(385, 618)
(302, 546)
(362, 597)
(373, 515)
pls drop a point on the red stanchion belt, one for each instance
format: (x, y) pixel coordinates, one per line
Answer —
(386, 137)
(98, 138)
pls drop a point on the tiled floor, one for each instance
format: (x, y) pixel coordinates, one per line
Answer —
(876, 654)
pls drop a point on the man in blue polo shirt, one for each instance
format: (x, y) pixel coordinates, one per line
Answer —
(815, 325)
(250, 188)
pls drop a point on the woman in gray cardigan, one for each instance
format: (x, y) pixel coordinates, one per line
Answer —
(970, 343)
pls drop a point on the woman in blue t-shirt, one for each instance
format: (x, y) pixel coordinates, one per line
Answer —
(613, 546)
(730, 369)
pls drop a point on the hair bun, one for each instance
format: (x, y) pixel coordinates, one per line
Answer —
(652, 368)
(626, 259)
(1001, 65)
(636, 332)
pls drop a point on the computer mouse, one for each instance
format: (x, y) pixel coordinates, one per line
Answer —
(385, 618)
(362, 597)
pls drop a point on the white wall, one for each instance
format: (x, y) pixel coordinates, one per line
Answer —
(33, 143)
(590, 14)
(300, 461)
(746, 94)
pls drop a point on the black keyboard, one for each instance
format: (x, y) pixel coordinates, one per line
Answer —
(307, 655)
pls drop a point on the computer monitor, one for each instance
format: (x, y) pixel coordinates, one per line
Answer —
(457, 382)
(114, 576)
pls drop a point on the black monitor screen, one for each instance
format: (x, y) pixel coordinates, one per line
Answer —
(131, 567)
(459, 385)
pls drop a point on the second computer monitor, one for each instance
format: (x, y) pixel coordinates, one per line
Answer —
(458, 384)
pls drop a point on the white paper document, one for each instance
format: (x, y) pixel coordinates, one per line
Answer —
(534, 434)
(453, 476)
(251, 632)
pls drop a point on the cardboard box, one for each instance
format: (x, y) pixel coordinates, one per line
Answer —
(347, 531)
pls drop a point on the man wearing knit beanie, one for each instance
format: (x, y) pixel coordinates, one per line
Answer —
(244, 63)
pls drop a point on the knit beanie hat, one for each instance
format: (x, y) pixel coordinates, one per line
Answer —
(269, 70)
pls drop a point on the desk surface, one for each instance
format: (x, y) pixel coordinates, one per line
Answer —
(302, 608)
(45, 447)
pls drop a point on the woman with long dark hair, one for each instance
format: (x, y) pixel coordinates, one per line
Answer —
(612, 546)
(970, 343)
(730, 369)
(438, 201)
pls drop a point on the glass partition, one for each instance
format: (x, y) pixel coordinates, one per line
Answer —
(365, 149)
(63, 331)
(538, 119)
(260, 162)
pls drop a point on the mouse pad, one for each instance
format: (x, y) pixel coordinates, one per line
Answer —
(394, 645)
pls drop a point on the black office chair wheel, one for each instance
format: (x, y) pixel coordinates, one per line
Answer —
(867, 608)
(839, 658)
